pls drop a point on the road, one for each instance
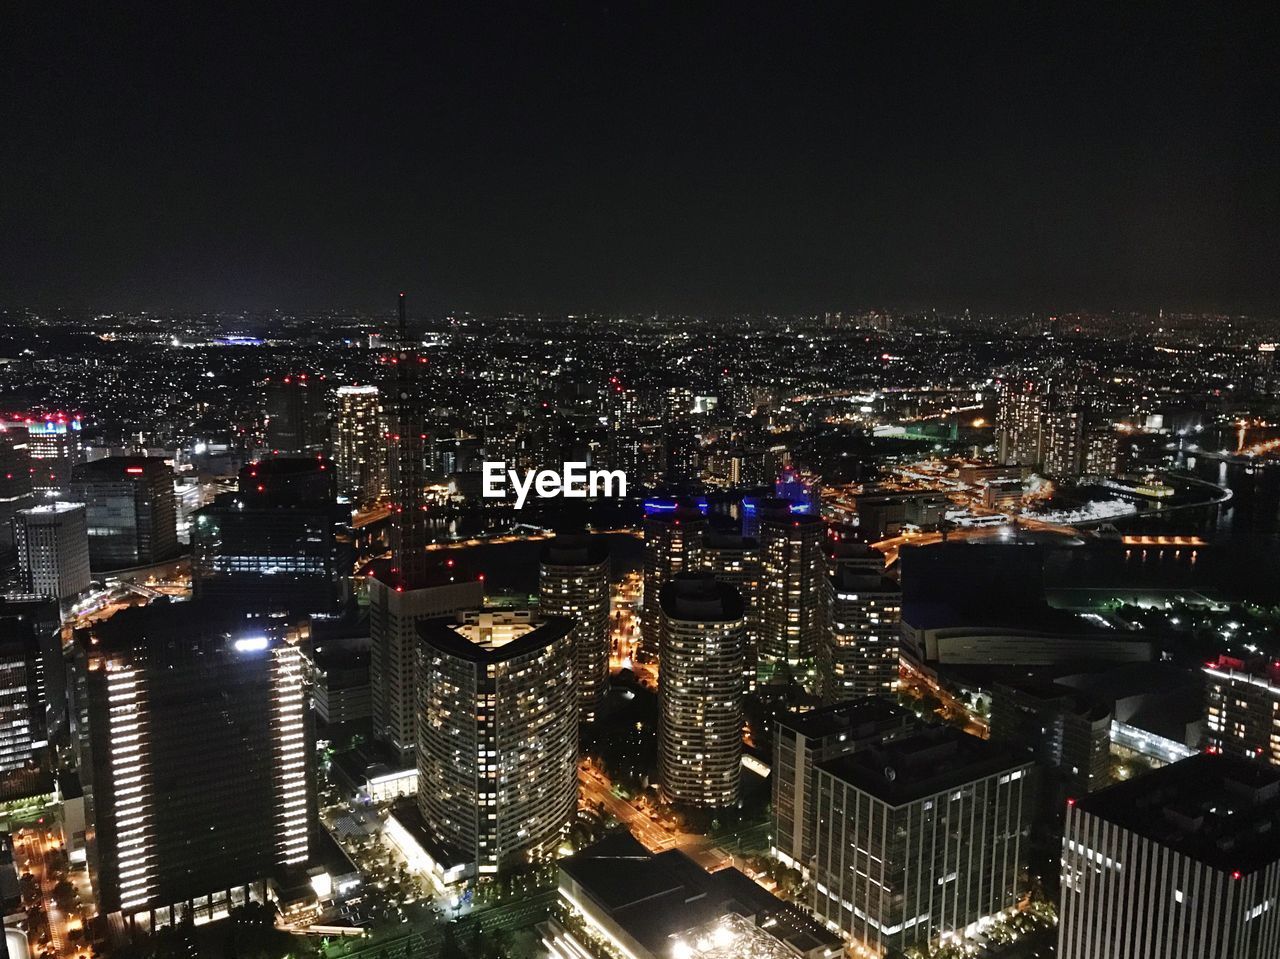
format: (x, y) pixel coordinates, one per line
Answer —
(35, 846)
(652, 834)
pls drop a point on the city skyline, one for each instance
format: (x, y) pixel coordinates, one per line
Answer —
(640, 481)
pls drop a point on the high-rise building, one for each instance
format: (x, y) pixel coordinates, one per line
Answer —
(1020, 424)
(1101, 452)
(793, 572)
(31, 686)
(54, 445)
(52, 541)
(15, 475)
(360, 450)
(272, 544)
(130, 509)
(672, 544)
(1242, 709)
(700, 691)
(800, 741)
(574, 582)
(1183, 861)
(497, 723)
(296, 420)
(1064, 443)
(195, 750)
(1064, 729)
(919, 838)
(394, 615)
(735, 561)
(408, 461)
(859, 654)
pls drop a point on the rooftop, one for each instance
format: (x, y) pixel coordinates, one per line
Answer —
(855, 716)
(698, 597)
(663, 897)
(580, 550)
(1223, 811)
(930, 761)
(493, 635)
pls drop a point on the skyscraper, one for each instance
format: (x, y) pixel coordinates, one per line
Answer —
(295, 414)
(1183, 861)
(793, 607)
(31, 686)
(195, 750)
(735, 561)
(672, 544)
(700, 691)
(272, 543)
(497, 724)
(574, 582)
(800, 741)
(360, 450)
(394, 615)
(15, 475)
(130, 510)
(52, 541)
(409, 534)
(54, 445)
(859, 654)
(411, 588)
(1020, 424)
(919, 838)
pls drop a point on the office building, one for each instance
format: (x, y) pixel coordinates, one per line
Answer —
(574, 582)
(700, 691)
(53, 550)
(32, 690)
(394, 615)
(361, 450)
(296, 418)
(673, 536)
(53, 444)
(15, 476)
(793, 607)
(1065, 730)
(130, 510)
(859, 654)
(195, 750)
(1242, 709)
(338, 671)
(1180, 862)
(620, 901)
(497, 725)
(919, 839)
(800, 742)
(272, 544)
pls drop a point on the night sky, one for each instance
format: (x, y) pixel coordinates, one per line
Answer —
(702, 157)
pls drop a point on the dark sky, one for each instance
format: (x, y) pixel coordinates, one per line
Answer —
(703, 156)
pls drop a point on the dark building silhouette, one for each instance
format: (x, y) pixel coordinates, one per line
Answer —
(130, 510)
(273, 544)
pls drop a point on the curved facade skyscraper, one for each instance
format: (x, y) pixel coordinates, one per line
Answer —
(700, 690)
(497, 725)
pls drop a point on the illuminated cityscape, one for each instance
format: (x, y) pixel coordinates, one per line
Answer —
(658, 481)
